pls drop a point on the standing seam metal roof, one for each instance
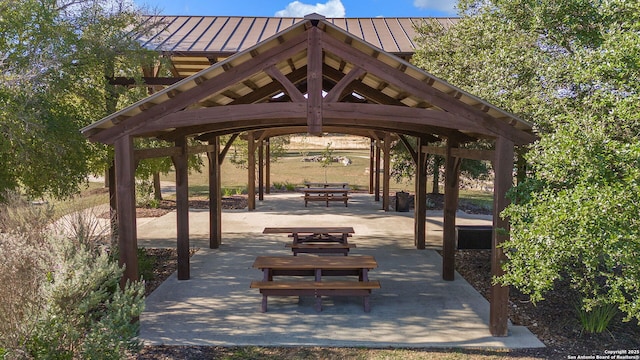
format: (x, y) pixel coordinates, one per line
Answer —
(231, 34)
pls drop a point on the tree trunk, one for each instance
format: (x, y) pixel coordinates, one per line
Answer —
(437, 162)
(157, 190)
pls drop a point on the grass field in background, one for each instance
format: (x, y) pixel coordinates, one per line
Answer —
(290, 169)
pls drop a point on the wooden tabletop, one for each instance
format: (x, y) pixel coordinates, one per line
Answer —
(309, 230)
(320, 184)
(325, 190)
(315, 262)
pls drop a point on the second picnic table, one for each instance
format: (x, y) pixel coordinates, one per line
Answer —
(326, 239)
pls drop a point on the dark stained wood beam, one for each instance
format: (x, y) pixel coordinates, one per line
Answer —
(126, 202)
(418, 88)
(314, 81)
(215, 198)
(499, 305)
(251, 172)
(287, 85)
(145, 81)
(379, 112)
(180, 163)
(473, 154)
(410, 149)
(386, 172)
(206, 88)
(451, 192)
(229, 113)
(420, 200)
(267, 91)
(336, 92)
(360, 88)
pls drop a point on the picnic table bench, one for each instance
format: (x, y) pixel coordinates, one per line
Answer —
(326, 195)
(317, 267)
(338, 248)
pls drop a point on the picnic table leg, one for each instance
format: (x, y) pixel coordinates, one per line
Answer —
(367, 305)
(318, 303)
(364, 275)
(264, 303)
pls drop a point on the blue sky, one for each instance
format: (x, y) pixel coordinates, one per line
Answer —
(329, 8)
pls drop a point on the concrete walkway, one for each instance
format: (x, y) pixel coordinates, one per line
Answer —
(414, 308)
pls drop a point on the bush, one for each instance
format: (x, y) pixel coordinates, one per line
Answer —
(65, 300)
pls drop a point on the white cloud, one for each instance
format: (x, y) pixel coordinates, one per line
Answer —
(447, 6)
(331, 9)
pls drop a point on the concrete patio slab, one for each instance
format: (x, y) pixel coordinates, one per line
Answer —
(414, 307)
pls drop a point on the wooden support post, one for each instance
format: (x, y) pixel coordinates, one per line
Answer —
(261, 170)
(451, 193)
(503, 168)
(113, 204)
(377, 172)
(215, 198)
(371, 165)
(267, 172)
(180, 162)
(387, 172)
(420, 201)
(314, 81)
(126, 208)
(251, 171)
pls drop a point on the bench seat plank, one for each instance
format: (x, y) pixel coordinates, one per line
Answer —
(317, 289)
(322, 248)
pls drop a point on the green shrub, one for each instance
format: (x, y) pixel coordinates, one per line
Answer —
(226, 192)
(289, 186)
(278, 185)
(65, 300)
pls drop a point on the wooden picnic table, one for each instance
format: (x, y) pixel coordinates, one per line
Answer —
(316, 266)
(303, 234)
(326, 194)
(327, 184)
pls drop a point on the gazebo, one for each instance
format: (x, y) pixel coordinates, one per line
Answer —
(312, 77)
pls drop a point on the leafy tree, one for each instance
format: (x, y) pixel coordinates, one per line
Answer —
(54, 56)
(327, 159)
(572, 69)
(240, 150)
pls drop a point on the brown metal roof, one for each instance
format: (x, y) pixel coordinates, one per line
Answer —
(196, 42)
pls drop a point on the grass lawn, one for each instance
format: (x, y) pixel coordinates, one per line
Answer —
(290, 169)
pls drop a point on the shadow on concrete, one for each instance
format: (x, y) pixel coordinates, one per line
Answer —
(414, 307)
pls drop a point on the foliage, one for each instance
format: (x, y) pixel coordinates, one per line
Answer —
(55, 57)
(403, 167)
(240, 150)
(572, 69)
(65, 301)
(326, 159)
(597, 319)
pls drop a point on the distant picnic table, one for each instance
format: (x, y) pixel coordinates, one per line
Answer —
(316, 240)
(326, 194)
